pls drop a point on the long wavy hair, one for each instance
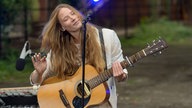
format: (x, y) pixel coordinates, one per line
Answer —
(62, 46)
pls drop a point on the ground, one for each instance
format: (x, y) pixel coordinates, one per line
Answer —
(162, 81)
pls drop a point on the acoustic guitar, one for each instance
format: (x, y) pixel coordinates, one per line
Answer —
(68, 93)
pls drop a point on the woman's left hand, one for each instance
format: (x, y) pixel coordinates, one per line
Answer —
(118, 72)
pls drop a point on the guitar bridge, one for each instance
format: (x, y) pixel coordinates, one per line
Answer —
(64, 99)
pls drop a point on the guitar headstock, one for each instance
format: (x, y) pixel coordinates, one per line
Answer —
(156, 47)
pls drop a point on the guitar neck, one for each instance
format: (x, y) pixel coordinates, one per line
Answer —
(104, 76)
(156, 47)
(133, 59)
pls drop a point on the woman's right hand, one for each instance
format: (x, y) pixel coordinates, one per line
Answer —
(39, 63)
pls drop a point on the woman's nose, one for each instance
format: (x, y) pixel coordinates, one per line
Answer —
(72, 17)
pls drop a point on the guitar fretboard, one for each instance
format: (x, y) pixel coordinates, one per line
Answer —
(104, 76)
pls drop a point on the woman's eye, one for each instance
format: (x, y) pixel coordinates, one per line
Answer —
(65, 19)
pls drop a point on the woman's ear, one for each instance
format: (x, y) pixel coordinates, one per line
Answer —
(62, 28)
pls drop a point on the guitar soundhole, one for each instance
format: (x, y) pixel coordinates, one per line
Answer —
(87, 91)
(77, 102)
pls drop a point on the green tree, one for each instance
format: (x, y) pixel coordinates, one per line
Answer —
(9, 12)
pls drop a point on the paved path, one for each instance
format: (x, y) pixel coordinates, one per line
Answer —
(163, 81)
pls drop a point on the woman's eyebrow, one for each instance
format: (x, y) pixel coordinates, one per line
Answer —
(71, 12)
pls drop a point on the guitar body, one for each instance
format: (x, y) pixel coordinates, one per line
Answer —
(49, 96)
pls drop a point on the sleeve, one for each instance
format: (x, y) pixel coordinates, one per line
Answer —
(117, 53)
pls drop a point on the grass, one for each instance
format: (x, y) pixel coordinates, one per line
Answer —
(172, 32)
(147, 31)
(8, 72)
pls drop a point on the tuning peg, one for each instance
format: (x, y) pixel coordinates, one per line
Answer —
(158, 53)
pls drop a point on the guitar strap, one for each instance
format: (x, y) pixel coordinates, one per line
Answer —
(102, 46)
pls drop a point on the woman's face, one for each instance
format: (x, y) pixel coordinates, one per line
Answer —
(69, 20)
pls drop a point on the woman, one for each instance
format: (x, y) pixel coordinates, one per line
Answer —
(62, 39)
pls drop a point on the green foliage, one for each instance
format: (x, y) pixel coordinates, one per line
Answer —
(8, 71)
(148, 30)
(10, 9)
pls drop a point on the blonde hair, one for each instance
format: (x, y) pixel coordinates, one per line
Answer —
(63, 49)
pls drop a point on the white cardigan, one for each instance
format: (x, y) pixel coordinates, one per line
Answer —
(113, 53)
